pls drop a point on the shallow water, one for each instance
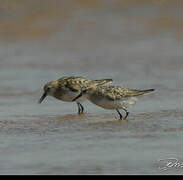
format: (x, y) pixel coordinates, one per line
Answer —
(138, 45)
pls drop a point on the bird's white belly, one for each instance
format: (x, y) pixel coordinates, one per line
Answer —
(116, 104)
(69, 96)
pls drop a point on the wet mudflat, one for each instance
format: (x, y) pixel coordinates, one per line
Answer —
(52, 139)
(138, 45)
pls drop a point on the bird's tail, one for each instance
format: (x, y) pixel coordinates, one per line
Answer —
(142, 92)
(103, 81)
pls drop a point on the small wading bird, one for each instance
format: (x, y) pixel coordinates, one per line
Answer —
(112, 97)
(67, 88)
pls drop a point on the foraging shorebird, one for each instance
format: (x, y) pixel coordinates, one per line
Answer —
(112, 97)
(67, 88)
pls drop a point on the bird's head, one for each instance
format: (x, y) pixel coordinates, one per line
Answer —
(49, 89)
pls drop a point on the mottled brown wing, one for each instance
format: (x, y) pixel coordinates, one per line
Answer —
(77, 83)
(112, 92)
(73, 85)
(103, 81)
(116, 93)
(133, 92)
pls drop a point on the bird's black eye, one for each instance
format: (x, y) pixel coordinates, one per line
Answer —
(48, 88)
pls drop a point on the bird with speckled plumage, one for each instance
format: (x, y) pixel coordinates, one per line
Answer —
(67, 88)
(112, 97)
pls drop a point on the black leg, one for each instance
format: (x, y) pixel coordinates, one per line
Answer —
(127, 113)
(79, 109)
(120, 115)
(82, 108)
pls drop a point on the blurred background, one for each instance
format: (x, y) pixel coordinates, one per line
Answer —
(119, 39)
(83, 36)
(122, 39)
(138, 43)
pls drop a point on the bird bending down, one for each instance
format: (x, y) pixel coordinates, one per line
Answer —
(67, 88)
(112, 97)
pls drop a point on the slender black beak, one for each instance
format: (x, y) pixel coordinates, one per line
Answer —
(42, 97)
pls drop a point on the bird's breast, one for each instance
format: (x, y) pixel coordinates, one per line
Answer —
(68, 96)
